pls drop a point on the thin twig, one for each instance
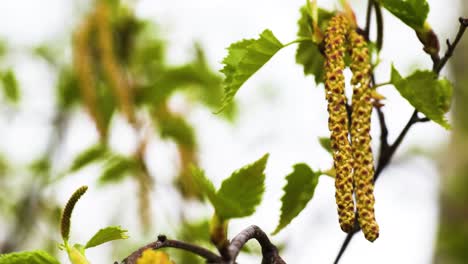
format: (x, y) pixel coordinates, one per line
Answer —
(451, 46)
(368, 20)
(163, 242)
(379, 22)
(269, 251)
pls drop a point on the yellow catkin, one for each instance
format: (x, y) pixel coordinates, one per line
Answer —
(335, 48)
(115, 76)
(83, 64)
(360, 135)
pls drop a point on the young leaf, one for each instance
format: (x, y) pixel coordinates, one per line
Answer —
(239, 194)
(30, 257)
(88, 156)
(67, 212)
(116, 168)
(428, 94)
(76, 254)
(176, 128)
(105, 235)
(412, 12)
(244, 59)
(242, 191)
(325, 143)
(308, 52)
(10, 86)
(205, 185)
(298, 191)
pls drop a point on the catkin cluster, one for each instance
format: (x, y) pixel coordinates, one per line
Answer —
(352, 152)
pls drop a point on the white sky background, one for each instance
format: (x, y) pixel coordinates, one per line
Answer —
(282, 113)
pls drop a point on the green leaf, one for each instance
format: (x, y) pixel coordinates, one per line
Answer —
(205, 185)
(68, 92)
(412, 12)
(239, 194)
(176, 128)
(10, 86)
(76, 254)
(88, 156)
(116, 168)
(325, 143)
(243, 190)
(29, 257)
(244, 59)
(428, 94)
(308, 52)
(105, 235)
(298, 191)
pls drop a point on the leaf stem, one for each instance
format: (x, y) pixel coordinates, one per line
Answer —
(297, 41)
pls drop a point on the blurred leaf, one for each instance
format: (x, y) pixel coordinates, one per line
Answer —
(107, 103)
(412, 12)
(105, 235)
(298, 191)
(3, 48)
(116, 168)
(176, 128)
(148, 56)
(195, 232)
(150, 256)
(10, 86)
(428, 94)
(40, 166)
(68, 92)
(308, 52)
(325, 143)
(88, 156)
(126, 28)
(244, 59)
(29, 257)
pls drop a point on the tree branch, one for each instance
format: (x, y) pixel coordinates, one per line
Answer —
(163, 242)
(269, 251)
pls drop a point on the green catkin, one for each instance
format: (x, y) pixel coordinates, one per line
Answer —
(66, 215)
(360, 135)
(335, 48)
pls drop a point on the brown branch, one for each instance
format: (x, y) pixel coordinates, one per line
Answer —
(269, 251)
(163, 242)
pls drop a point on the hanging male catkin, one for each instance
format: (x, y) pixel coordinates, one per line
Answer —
(335, 48)
(360, 135)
